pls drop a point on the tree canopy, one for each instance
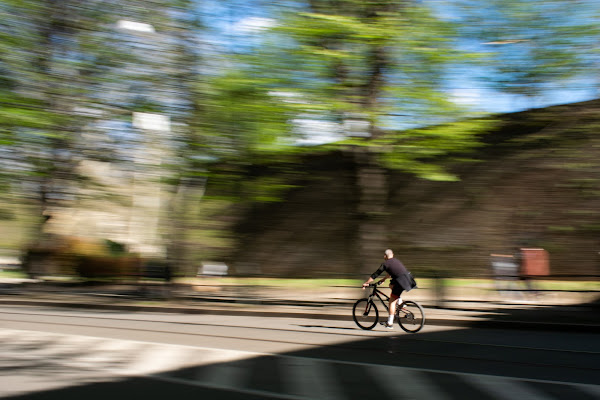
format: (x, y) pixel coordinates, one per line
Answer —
(369, 77)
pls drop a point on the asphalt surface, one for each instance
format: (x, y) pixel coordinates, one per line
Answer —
(512, 310)
(75, 353)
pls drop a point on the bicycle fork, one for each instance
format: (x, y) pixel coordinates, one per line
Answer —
(368, 306)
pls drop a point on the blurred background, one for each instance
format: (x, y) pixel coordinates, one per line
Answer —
(188, 140)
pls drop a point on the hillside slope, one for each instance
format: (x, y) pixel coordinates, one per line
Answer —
(537, 183)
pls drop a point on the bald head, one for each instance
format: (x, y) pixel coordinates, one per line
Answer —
(389, 253)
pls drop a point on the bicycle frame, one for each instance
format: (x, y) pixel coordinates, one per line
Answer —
(378, 293)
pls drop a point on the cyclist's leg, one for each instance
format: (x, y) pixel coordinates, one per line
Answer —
(394, 297)
(392, 308)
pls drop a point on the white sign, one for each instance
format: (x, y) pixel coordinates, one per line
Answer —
(135, 26)
(151, 122)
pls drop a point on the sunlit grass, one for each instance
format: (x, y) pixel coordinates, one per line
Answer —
(280, 282)
(12, 274)
(333, 282)
(423, 283)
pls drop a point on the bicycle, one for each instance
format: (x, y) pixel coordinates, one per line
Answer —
(410, 315)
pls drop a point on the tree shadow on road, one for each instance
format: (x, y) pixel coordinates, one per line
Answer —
(453, 363)
(567, 318)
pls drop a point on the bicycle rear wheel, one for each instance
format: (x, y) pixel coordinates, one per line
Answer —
(365, 314)
(410, 317)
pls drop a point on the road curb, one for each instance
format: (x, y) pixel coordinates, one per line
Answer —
(435, 321)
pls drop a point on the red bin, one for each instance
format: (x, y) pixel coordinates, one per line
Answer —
(535, 262)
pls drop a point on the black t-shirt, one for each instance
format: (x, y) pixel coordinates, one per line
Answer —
(397, 271)
(392, 266)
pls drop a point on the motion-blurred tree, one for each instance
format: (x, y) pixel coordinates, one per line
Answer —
(230, 126)
(53, 54)
(75, 72)
(359, 66)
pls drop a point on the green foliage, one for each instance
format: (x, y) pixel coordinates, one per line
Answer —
(246, 122)
(373, 62)
(418, 151)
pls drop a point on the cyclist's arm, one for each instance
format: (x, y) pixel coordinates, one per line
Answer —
(375, 275)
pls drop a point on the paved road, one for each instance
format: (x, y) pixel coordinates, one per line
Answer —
(68, 354)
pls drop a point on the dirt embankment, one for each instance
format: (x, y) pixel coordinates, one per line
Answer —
(536, 183)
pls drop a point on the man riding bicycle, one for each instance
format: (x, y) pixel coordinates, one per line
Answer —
(400, 281)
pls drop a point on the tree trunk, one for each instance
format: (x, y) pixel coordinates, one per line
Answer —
(371, 183)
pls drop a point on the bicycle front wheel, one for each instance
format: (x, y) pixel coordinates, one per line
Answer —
(410, 317)
(365, 314)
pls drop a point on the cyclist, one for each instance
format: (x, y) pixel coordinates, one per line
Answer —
(400, 281)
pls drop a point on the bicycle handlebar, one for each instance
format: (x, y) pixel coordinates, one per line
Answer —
(374, 284)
